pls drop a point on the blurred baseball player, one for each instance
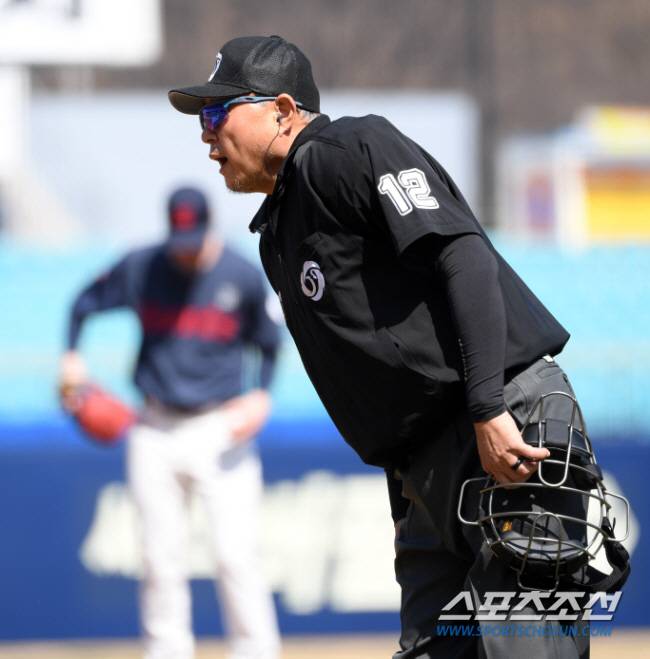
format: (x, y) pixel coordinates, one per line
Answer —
(425, 347)
(201, 307)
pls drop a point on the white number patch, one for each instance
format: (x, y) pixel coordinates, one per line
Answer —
(414, 191)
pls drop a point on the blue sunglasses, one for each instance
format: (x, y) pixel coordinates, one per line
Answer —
(215, 114)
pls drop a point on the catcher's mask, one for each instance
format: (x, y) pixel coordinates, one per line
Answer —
(539, 528)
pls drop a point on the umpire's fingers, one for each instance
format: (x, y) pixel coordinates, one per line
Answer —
(527, 463)
(504, 479)
(519, 473)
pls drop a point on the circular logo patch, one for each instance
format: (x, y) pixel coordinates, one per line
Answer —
(312, 281)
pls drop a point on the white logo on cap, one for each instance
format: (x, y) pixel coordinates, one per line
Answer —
(216, 67)
(312, 281)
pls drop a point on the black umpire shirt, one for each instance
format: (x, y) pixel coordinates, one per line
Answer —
(401, 309)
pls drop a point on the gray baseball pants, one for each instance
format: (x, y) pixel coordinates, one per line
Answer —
(438, 557)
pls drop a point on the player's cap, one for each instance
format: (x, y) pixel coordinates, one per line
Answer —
(189, 219)
(267, 66)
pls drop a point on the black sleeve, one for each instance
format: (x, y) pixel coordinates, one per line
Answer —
(110, 291)
(398, 504)
(469, 271)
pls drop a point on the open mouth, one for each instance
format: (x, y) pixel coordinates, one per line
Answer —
(220, 159)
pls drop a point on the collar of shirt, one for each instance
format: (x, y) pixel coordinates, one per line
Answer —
(306, 134)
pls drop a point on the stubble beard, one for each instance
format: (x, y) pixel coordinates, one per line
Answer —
(247, 186)
(256, 181)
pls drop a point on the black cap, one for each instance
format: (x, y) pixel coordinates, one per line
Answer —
(188, 219)
(267, 66)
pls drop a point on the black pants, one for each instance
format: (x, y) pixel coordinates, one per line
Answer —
(438, 557)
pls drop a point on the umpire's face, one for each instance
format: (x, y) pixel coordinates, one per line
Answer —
(252, 142)
(241, 145)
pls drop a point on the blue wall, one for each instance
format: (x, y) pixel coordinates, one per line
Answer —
(50, 477)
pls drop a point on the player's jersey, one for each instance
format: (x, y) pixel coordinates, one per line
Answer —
(195, 327)
(376, 337)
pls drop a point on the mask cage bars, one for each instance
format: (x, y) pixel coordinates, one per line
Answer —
(563, 546)
(588, 452)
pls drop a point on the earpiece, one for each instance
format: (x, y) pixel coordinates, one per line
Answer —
(279, 118)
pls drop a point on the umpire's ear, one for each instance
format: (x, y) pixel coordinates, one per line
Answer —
(286, 114)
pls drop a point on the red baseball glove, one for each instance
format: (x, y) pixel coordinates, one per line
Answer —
(103, 418)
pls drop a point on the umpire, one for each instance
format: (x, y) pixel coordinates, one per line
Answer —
(425, 347)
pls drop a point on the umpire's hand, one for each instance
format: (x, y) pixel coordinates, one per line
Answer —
(503, 452)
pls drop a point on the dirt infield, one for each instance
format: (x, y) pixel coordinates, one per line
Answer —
(628, 644)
